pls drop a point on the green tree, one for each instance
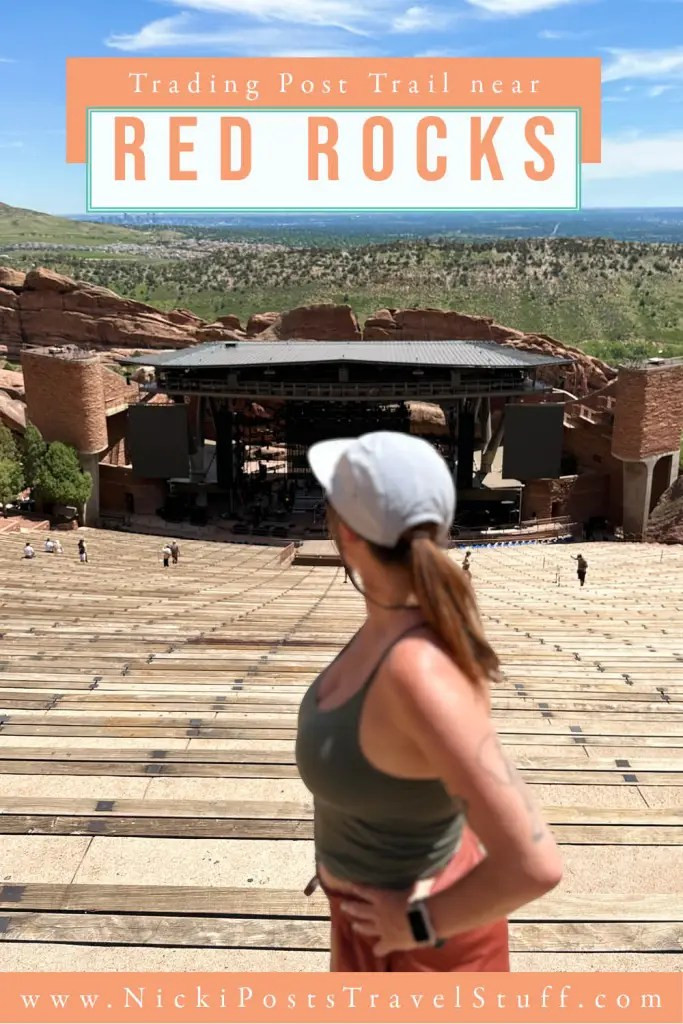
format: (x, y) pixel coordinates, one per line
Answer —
(11, 481)
(61, 479)
(11, 473)
(8, 446)
(33, 449)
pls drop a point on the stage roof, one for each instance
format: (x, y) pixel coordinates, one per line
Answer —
(457, 354)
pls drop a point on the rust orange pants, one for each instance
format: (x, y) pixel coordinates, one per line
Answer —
(482, 949)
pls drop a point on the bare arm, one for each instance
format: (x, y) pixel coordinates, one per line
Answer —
(452, 728)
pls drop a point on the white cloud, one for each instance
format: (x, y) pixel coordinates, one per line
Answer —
(11, 144)
(632, 155)
(440, 53)
(351, 15)
(557, 34)
(156, 35)
(178, 32)
(7, 60)
(414, 19)
(658, 90)
(514, 8)
(644, 64)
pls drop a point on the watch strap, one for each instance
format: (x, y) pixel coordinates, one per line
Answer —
(421, 925)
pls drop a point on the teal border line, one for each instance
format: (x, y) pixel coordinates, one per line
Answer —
(236, 211)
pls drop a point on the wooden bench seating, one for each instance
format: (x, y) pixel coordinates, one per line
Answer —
(149, 796)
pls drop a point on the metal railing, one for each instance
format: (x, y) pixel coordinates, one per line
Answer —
(431, 390)
(560, 526)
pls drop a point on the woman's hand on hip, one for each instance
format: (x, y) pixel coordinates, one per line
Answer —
(380, 914)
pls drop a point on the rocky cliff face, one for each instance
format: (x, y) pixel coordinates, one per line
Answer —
(666, 521)
(45, 308)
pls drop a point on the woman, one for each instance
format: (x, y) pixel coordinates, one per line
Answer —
(395, 740)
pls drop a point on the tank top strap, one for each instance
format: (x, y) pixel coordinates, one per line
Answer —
(386, 652)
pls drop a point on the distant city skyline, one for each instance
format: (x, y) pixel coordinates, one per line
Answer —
(640, 43)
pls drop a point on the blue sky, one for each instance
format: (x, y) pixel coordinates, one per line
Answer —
(639, 41)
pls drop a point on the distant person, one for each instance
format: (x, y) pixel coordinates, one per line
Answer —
(466, 563)
(82, 551)
(175, 551)
(28, 550)
(49, 546)
(581, 568)
(166, 554)
(58, 549)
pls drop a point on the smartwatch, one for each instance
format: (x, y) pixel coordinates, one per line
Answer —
(421, 925)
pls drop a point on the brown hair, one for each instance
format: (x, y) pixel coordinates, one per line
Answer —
(446, 598)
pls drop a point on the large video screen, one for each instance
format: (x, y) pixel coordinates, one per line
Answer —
(158, 441)
(532, 441)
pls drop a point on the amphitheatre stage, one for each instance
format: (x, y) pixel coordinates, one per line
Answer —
(229, 442)
(149, 801)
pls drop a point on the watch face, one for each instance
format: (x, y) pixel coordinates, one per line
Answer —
(418, 925)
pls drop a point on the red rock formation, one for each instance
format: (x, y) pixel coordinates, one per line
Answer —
(10, 278)
(12, 383)
(324, 322)
(46, 308)
(585, 375)
(259, 322)
(321, 323)
(431, 324)
(230, 321)
(10, 326)
(666, 522)
(184, 317)
(12, 413)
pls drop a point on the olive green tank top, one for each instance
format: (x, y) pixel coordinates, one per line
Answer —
(370, 828)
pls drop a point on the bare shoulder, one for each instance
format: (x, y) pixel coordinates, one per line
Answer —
(421, 671)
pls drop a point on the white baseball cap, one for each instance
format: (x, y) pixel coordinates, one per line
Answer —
(385, 483)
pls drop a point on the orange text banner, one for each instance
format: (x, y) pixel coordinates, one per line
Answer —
(167, 82)
(634, 998)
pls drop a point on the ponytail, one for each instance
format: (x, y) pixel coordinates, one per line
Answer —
(446, 599)
(448, 604)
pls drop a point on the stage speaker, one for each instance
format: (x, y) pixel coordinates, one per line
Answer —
(532, 441)
(158, 441)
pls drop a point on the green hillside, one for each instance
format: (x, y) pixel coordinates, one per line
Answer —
(616, 299)
(613, 298)
(19, 226)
